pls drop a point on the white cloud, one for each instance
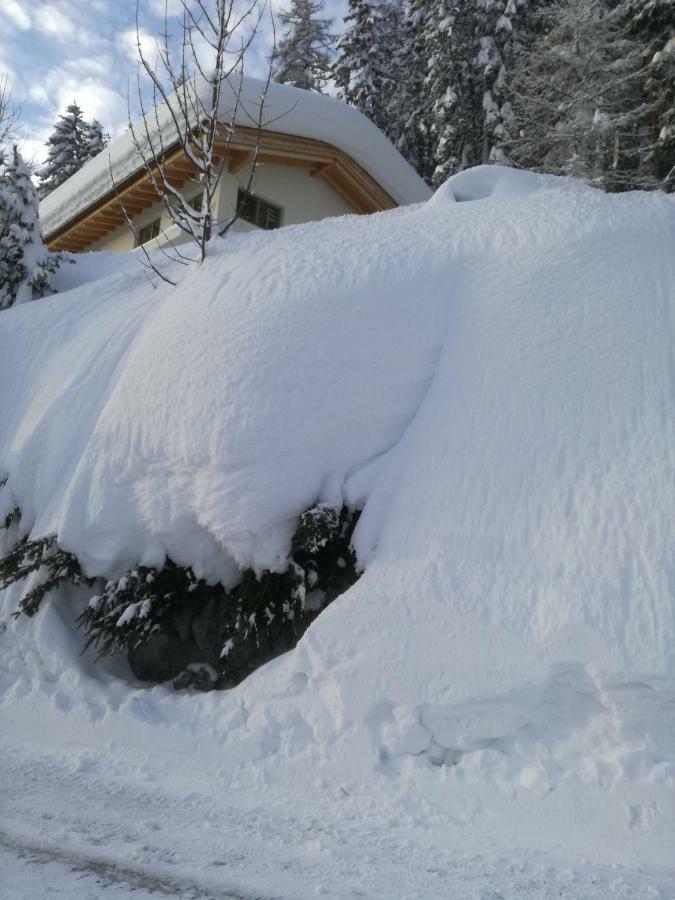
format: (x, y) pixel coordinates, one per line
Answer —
(61, 20)
(52, 20)
(87, 81)
(38, 94)
(33, 150)
(6, 69)
(158, 7)
(16, 11)
(126, 41)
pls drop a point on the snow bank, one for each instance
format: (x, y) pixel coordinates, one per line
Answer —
(289, 110)
(493, 381)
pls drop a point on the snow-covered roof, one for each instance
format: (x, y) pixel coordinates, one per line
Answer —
(288, 110)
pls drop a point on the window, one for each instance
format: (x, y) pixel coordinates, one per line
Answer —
(197, 201)
(148, 232)
(258, 212)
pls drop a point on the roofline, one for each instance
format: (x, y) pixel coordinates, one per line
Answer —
(104, 215)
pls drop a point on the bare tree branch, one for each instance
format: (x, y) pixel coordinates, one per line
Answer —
(9, 111)
(148, 264)
(185, 111)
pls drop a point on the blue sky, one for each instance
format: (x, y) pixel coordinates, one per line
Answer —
(56, 51)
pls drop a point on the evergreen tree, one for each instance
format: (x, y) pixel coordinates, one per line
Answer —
(305, 51)
(577, 99)
(72, 143)
(410, 122)
(366, 70)
(503, 31)
(26, 266)
(652, 23)
(454, 108)
(94, 139)
(381, 69)
(472, 45)
(434, 76)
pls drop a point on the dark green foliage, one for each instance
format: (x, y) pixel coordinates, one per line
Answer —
(317, 528)
(380, 69)
(173, 625)
(262, 617)
(141, 603)
(303, 55)
(26, 556)
(26, 265)
(11, 518)
(652, 23)
(73, 142)
(216, 638)
(42, 554)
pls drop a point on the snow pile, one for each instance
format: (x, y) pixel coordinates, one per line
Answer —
(492, 380)
(289, 110)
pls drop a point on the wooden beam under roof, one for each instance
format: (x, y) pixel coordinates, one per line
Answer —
(238, 159)
(89, 232)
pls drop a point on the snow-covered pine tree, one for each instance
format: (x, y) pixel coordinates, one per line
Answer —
(652, 24)
(576, 97)
(381, 69)
(71, 144)
(368, 68)
(471, 45)
(95, 139)
(409, 111)
(26, 266)
(304, 55)
(454, 110)
(503, 30)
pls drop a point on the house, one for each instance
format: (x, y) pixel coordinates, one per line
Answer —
(317, 158)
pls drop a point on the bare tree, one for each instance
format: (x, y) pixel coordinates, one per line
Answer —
(9, 111)
(194, 73)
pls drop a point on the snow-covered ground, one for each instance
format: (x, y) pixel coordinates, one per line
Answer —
(490, 710)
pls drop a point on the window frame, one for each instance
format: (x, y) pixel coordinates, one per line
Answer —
(261, 207)
(149, 225)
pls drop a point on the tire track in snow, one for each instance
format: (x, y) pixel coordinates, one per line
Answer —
(109, 873)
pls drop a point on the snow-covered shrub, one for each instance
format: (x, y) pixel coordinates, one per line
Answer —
(41, 556)
(174, 625)
(141, 603)
(151, 614)
(26, 265)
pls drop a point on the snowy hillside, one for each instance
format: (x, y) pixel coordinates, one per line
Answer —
(490, 377)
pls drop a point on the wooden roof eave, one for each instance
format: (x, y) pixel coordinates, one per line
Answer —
(136, 193)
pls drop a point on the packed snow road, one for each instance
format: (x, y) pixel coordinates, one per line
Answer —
(39, 871)
(82, 823)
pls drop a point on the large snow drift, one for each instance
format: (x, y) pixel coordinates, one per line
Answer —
(492, 380)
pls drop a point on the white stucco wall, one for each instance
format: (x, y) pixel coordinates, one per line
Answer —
(303, 198)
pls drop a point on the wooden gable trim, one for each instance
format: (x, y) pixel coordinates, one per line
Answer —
(136, 193)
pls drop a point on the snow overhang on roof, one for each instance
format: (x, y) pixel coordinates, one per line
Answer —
(288, 110)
